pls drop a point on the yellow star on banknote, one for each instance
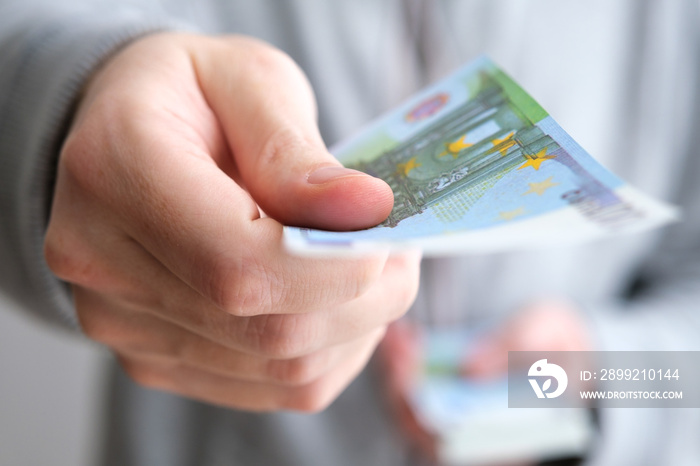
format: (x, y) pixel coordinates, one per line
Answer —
(541, 187)
(536, 160)
(506, 143)
(406, 167)
(511, 214)
(454, 148)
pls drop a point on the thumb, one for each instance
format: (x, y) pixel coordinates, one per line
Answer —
(268, 113)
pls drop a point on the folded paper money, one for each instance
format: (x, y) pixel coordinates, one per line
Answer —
(476, 165)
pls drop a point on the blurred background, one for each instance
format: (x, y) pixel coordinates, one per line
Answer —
(50, 393)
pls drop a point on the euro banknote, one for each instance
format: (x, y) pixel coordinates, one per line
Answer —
(477, 165)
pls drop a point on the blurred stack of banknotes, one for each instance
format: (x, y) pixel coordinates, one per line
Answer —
(477, 166)
(469, 420)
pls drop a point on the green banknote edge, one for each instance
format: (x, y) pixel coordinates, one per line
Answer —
(378, 142)
(519, 98)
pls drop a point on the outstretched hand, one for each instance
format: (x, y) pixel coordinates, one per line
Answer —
(178, 144)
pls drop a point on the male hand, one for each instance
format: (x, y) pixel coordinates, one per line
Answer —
(177, 144)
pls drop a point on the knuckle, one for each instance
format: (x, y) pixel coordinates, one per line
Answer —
(406, 296)
(263, 58)
(80, 159)
(59, 261)
(143, 374)
(102, 329)
(70, 261)
(280, 337)
(126, 333)
(97, 329)
(74, 151)
(296, 372)
(407, 291)
(223, 284)
(243, 287)
(363, 275)
(312, 398)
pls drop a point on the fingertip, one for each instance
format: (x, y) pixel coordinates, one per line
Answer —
(353, 202)
(330, 198)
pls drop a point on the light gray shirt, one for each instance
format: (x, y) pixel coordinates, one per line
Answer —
(621, 77)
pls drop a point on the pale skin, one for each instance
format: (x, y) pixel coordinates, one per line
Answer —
(172, 264)
(178, 146)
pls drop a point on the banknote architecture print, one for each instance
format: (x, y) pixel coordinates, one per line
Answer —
(462, 153)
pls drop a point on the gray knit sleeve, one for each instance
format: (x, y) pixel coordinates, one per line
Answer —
(47, 51)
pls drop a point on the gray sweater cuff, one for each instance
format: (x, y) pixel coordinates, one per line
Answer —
(43, 66)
